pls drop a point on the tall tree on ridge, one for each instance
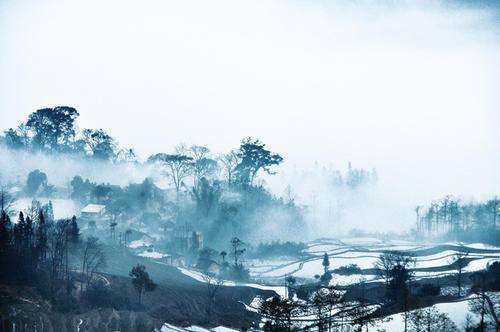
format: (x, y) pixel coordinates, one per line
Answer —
(255, 157)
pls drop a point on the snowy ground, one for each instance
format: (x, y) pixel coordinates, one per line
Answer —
(171, 328)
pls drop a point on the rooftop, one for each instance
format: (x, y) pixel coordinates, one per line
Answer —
(93, 208)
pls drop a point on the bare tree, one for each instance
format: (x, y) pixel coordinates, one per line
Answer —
(203, 165)
(6, 200)
(460, 261)
(229, 162)
(213, 282)
(93, 259)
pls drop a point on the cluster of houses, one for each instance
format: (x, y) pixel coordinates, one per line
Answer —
(179, 243)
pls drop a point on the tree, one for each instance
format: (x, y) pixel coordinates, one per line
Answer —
(493, 207)
(237, 245)
(206, 196)
(223, 254)
(213, 283)
(141, 281)
(289, 283)
(37, 180)
(74, 231)
(254, 157)
(390, 259)
(326, 262)
(6, 200)
(482, 304)
(93, 259)
(13, 140)
(202, 165)
(52, 126)
(177, 167)
(5, 227)
(429, 320)
(460, 261)
(229, 163)
(99, 143)
(279, 314)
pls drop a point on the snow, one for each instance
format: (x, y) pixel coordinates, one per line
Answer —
(280, 290)
(152, 254)
(171, 328)
(455, 310)
(93, 208)
(144, 241)
(223, 329)
(195, 328)
(479, 264)
(342, 280)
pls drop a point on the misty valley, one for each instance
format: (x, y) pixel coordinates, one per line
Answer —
(94, 238)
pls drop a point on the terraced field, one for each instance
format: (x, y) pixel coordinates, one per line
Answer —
(432, 260)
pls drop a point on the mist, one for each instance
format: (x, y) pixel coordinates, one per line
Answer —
(401, 86)
(229, 163)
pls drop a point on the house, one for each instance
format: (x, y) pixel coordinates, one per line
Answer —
(93, 211)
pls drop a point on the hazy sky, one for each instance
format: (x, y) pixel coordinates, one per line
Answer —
(409, 87)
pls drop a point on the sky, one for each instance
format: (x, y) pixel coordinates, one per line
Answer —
(407, 87)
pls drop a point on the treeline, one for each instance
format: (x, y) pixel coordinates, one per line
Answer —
(353, 178)
(215, 194)
(452, 219)
(35, 250)
(53, 130)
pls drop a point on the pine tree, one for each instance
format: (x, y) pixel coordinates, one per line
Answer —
(74, 231)
(326, 262)
(5, 233)
(42, 237)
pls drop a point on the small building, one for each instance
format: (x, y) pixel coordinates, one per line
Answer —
(93, 211)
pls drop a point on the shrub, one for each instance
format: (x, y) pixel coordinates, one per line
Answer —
(348, 269)
(430, 290)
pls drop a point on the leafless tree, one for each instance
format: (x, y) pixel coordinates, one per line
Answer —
(460, 262)
(229, 162)
(213, 282)
(93, 259)
(6, 200)
(202, 164)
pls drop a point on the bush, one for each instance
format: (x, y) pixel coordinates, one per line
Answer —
(348, 269)
(236, 273)
(326, 277)
(430, 290)
(64, 302)
(98, 295)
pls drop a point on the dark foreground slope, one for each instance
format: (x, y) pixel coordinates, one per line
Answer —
(178, 299)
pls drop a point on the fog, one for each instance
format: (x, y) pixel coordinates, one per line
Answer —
(406, 87)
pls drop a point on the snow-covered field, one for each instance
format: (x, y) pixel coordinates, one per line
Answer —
(364, 252)
(431, 260)
(193, 328)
